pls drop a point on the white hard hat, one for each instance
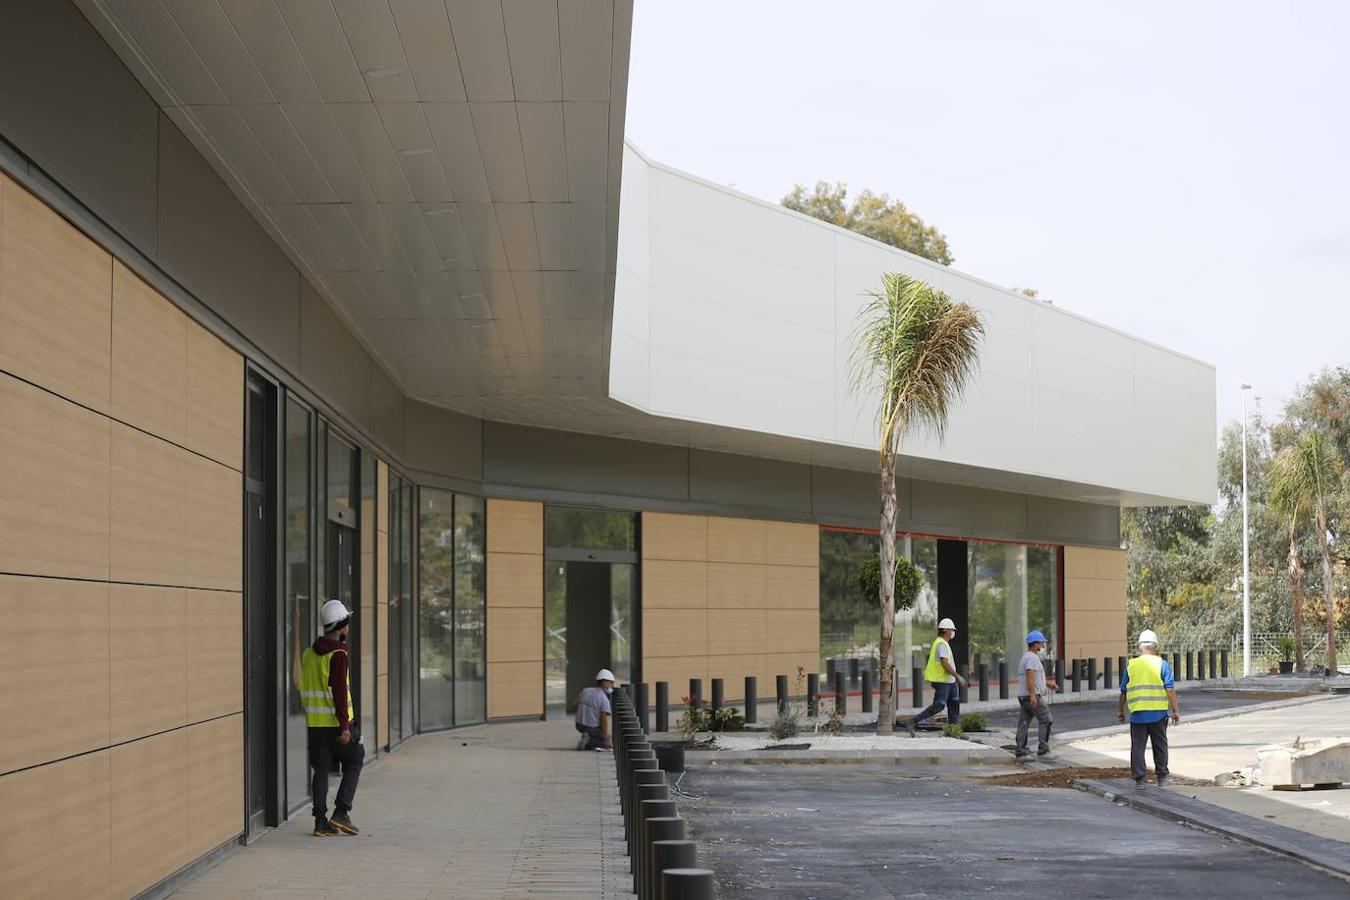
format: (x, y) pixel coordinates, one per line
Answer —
(604, 675)
(1148, 637)
(946, 625)
(332, 614)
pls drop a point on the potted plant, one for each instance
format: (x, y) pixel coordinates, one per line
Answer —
(1285, 645)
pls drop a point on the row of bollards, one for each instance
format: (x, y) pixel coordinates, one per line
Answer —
(663, 860)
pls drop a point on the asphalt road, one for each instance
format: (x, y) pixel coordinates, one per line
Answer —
(867, 831)
(1080, 716)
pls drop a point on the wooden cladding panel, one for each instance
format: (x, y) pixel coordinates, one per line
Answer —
(148, 631)
(63, 846)
(792, 630)
(382, 712)
(147, 508)
(674, 536)
(213, 552)
(515, 579)
(675, 584)
(515, 526)
(54, 493)
(793, 587)
(382, 616)
(1094, 602)
(792, 544)
(736, 585)
(215, 792)
(736, 540)
(676, 671)
(515, 634)
(733, 631)
(215, 398)
(55, 301)
(1094, 562)
(149, 358)
(54, 669)
(216, 685)
(675, 632)
(515, 689)
(149, 818)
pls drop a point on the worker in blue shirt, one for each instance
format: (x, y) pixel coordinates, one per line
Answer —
(1148, 690)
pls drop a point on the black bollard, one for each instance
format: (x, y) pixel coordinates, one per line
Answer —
(640, 708)
(867, 690)
(1003, 679)
(813, 695)
(831, 666)
(1076, 675)
(840, 694)
(647, 809)
(687, 884)
(1214, 664)
(662, 707)
(1223, 660)
(781, 688)
(660, 829)
(681, 854)
(916, 685)
(751, 699)
(1059, 676)
(648, 774)
(1200, 665)
(1190, 665)
(982, 679)
(1107, 681)
(717, 694)
(1092, 674)
(695, 693)
(853, 672)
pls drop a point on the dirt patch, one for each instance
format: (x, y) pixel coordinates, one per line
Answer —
(1056, 778)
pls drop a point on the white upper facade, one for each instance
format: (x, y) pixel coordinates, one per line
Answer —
(737, 313)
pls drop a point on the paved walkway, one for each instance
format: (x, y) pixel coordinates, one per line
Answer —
(496, 811)
(1201, 750)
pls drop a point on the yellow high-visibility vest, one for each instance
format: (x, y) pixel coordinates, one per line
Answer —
(316, 696)
(933, 673)
(1144, 692)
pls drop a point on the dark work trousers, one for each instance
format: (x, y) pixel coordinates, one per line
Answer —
(1156, 733)
(1041, 713)
(324, 753)
(944, 694)
(594, 739)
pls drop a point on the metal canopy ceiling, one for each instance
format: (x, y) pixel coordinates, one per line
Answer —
(446, 173)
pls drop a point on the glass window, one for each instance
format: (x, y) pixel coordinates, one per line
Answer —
(589, 529)
(555, 634)
(341, 461)
(622, 594)
(435, 608)
(1012, 590)
(299, 616)
(470, 611)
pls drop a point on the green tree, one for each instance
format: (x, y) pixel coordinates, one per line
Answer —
(875, 215)
(1310, 474)
(917, 350)
(1289, 500)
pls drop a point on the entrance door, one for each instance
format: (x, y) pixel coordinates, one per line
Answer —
(262, 782)
(587, 617)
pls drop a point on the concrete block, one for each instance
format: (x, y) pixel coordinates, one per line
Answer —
(1312, 761)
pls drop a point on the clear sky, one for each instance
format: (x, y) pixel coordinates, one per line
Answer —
(1178, 170)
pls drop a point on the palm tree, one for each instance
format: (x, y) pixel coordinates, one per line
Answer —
(917, 350)
(1289, 501)
(1306, 476)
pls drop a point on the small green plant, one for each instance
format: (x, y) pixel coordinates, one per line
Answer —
(694, 720)
(834, 725)
(727, 719)
(1285, 645)
(953, 731)
(908, 581)
(974, 722)
(785, 725)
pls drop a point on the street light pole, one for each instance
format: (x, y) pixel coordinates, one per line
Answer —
(1246, 564)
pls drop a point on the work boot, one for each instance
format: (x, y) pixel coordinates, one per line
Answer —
(324, 828)
(581, 743)
(1139, 784)
(342, 821)
(910, 727)
(1164, 780)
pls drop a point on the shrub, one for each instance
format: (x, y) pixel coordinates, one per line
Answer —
(727, 719)
(694, 720)
(785, 725)
(974, 722)
(953, 731)
(908, 581)
(1285, 645)
(834, 724)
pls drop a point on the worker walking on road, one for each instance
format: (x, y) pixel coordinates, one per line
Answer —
(326, 693)
(942, 675)
(1148, 690)
(1031, 694)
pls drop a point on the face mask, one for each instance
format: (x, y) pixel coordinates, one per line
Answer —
(1041, 653)
(609, 690)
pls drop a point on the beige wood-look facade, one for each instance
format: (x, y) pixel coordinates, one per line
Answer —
(121, 435)
(726, 598)
(515, 608)
(1094, 603)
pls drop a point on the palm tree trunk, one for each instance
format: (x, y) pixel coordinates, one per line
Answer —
(886, 708)
(1327, 590)
(1296, 588)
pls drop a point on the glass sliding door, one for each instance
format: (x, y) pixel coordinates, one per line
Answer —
(299, 619)
(436, 608)
(470, 611)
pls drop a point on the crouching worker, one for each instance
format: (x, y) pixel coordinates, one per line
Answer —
(593, 713)
(326, 693)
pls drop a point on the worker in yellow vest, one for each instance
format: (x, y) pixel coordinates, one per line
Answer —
(1148, 691)
(326, 694)
(941, 675)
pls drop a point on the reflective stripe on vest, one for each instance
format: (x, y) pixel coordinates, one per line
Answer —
(933, 673)
(315, 695)
(1145, 692)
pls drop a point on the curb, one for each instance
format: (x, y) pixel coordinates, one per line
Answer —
(1323, 853)
(1090, 734)
(961, 756)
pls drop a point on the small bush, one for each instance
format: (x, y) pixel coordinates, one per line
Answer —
(953, 731)
(974, 722)
(727, 719)
(834, 724)
(785, 725)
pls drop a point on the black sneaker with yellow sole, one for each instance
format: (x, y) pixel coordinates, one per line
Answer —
(343, 822)
(324, 828)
